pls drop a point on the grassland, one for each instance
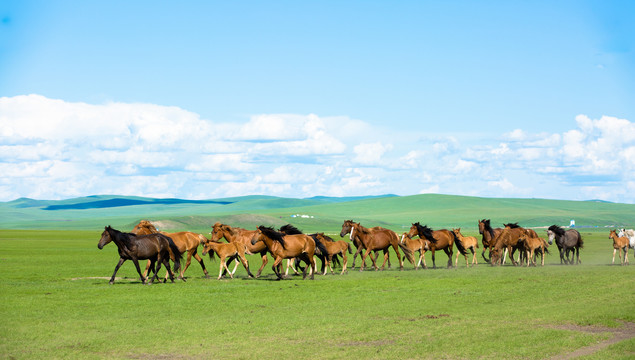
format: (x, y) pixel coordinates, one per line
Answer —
(57, 302)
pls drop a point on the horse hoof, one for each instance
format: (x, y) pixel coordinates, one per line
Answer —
(111, 282)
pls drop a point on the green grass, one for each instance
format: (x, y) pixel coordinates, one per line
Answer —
(53, 307)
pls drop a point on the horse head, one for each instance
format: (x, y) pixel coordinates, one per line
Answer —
(217, 231)
(347, 227)
(144, 227)
(106, 237)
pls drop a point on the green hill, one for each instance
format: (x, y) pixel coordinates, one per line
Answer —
(312, 214)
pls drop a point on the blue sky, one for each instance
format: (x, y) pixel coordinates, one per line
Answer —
(205, 99)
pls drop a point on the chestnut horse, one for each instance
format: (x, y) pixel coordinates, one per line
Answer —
(439, 240)
(184, 240)
(244, 237)
(154, 247)
(507, 240)
(333, 248)
(489, 234)
(418, 244)
(233, 251)
(620, 243)
(374, 239)
(359, 246)
(467, 242)
(286, 247)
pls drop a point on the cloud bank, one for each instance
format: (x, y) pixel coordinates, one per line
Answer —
(52, 149)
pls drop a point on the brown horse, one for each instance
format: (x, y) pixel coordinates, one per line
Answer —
(439, 240)
(154, 247)
(468, 243)
(334, 248)
(621, 244)
(233, 250)
(359, 246)
(373, 239)
(489, 234)
(286, 247)
(244, 237)
(185, 241)
(418, 244)
(532, 245)
(529, 232)
(506, 242)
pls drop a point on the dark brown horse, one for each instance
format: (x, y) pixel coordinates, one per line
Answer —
(286, 247)
(186, 241)
(439, 240)
(243, 236)
(154, 247)
(489, 234)
(374, 239)
(567, 241)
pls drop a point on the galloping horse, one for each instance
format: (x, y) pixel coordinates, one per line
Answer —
(373, 239)
(567, 241)
(223, 251)
(154, 247)
(439, 240)
(333, 248)
(489, 234)
(619, 243)
(359, 246)
(244, 237)
(184, 240)
(419, 244)
(467, 242)
(286, 247)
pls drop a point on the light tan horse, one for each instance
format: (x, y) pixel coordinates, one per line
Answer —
(621, 244)
(468, 243)
(373, 240)
(439, 240)
(243, 236)
(186, 242)
(531, 245)
(286, 247)
(419, 244)
(233, 250)
(334, 248)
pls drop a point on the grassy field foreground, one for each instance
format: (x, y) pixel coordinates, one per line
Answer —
(56, 303)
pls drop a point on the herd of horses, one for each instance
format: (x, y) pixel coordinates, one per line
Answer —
(146, 242)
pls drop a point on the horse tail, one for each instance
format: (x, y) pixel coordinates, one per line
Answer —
(580, 242)
(407, 252)
(176, 252)
(459, 244)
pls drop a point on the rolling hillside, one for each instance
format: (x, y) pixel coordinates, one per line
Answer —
(312, 214)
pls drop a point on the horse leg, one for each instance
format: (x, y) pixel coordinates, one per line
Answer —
(434, 264)
(145, 273)
(474, 260)
(345, 262)
(121, 261)
(504, 257)
(263, 256)
(277, 262)
(311, 263)
(448, 252)
(166, 262)
(156, 261)
(383, 265)
(200, 261)
(364, 259)
(614, 251)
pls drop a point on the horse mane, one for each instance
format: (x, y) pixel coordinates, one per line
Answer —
(557, 230)
(512, 225)
(272, 234)
(327, 238)
(290, 230)
(458, 243)
(426, 231)
(488, 228)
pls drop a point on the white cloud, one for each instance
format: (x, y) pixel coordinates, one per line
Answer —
(55, 149)
(370, 153)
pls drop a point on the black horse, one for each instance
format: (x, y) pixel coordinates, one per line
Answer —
(155, 247)
(568, 241)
